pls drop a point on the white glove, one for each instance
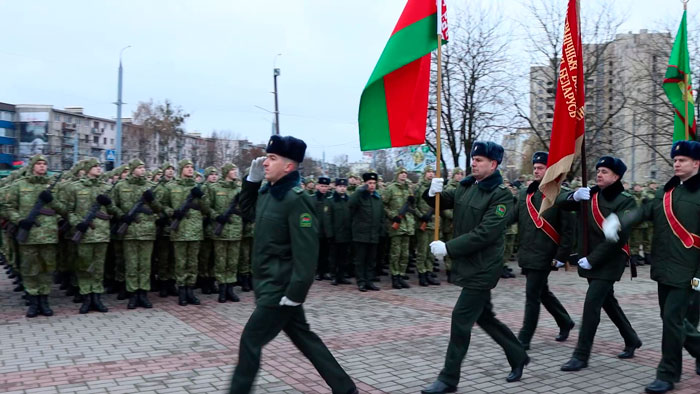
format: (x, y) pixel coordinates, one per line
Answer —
(583, 263)
(611, 226)
(582, 193)
(695, 284)
(435, 186)
(257, 172)
(438, 249)
(287, 302)
(558, 264)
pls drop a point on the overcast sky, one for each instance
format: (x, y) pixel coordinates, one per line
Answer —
(214, 58)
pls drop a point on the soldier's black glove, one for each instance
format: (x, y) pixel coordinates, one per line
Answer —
(178, 214)
(25, 224)
(411, 199)
(46, 196)
(396, 219)
(128, 219)
(162, 221)
(82, 227)
(148, 196)
(196, 192)
(425, 218)
(221, 219)
(103, 199)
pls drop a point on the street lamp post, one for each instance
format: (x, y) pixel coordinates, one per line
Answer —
(275, 74)
(118, 158)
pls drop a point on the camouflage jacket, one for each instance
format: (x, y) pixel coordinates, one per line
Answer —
(20, 199)
(79, 198)
(220, 197)
(124, 196)
(191, 226)
(394, 197)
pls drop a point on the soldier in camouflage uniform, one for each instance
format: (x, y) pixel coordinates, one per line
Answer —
(245, 278)
(447, 218)
(80, 197)
(189, 234)
(227, 244)
(121, 173)
(206, 247)
(38, 252)
(395, 197)
(425, 230)
(637, 232)
(165, 270)
(511, 237)
(353, 183)
(139, 236)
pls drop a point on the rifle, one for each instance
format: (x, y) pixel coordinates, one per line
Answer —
(424, 223)
(402, 213)
(232, 210)
(23, 234)
(184, 207)
(90, 216)
(136, 209)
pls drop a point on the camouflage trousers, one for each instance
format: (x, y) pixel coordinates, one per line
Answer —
(37, 265)
(398, 254)
(637, 240)
(165, 263)
(424, 259)
(137, 263)
(509, 246)
(244, 262)
(186, 259)
(227, 254)
(90, 267)
(206, 258)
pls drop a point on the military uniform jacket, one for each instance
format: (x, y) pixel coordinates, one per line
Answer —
(221, 195)
(674, 264)
(208, 222)
(124, 196)
(324, 225)
(79, 198)
(367, 213)
(340, 224)
(607, 258)
(480, 210)
(536, 249)
(191, 226)
(21, 196)
(285, 244)
(394, 197)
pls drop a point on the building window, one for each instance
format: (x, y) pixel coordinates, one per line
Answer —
(96, 125)
(104, 140)
(111, 141)
(111, 126)
(87, 138)
(96, 139)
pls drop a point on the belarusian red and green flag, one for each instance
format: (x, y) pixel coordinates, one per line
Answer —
(394, 104)
(677, 84)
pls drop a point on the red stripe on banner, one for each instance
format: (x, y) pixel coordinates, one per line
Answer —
(406, 91)
(414, 11)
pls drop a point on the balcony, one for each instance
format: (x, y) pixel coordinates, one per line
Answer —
(97, 130)
(65, 126)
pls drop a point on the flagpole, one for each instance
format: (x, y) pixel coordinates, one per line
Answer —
(686, 79)
(584, 170)
(438, 144)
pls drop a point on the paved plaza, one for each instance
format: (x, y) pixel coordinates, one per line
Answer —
(391, 341)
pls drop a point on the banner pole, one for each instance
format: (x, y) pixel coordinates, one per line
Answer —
(438, 144)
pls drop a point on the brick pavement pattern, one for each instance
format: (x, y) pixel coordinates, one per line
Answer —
(173, 349)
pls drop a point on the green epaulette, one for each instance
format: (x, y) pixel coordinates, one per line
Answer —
(298, 189)
(502, 186)
(566, 189)
(627, 195)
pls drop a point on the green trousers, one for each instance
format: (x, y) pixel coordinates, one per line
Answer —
(205, 267)
(38, 263)
(186, 261)
(537, 293)
(474, 306)
(424, 259)
(600, 294)
(264, 324)
(365, 256)
(677, 332)
(137, 260)
(244, 261)
(398, 254)
(227, 254)
(90, 267)
(165, 268)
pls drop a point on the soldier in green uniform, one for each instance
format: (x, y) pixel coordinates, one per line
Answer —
(324, 230)
(367, 215)
(38, 252)
(284, 259)
(165, 270)
(80, 198)
(603, 264)
(227, 244)
(481, 204)
(446, 220)
(675, 213)
(117, 242)
(398, 205)
(310, 186)
(66, 257)
(353, 183)
(340, 227)
(543, 238)
(140, 235)
(189, 234)
(206, 247)
(425, 230)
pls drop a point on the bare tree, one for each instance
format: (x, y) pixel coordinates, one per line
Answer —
(165, 122)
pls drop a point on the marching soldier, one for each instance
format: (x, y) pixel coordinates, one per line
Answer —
(425, 228)
(675, 214)
(398, 205)
(543, 239)
(324, 232)
(286, 245)
(603, 264)
(340, 227)
(481, 204)
(206, 247)
(367, 215)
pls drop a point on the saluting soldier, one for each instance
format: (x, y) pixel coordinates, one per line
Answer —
(340, 227)
(481, 203)
(675, 214)
(399, 207)
(425, 230)
(284, 258)
(544, 239)
(603, 264)
(367, 215)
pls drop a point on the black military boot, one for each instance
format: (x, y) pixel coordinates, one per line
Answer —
(172, 289)
(421, 280)
(33, 309)
(182, 296)
(163, 289)
(78, 298)
(222, 292)
(121, 295)
(449, 276)
(143, 299)
(191, 298)
(206, 287)
(87, 302)
(97, 303)
(44, 307)
(246, 282)
(403, 283)
(133, 301)
(19, 287)
(230, 294)
(432, 280)
(659, 386)
(628, 351)
(11, 273)
(395, 282)
(65, 281)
